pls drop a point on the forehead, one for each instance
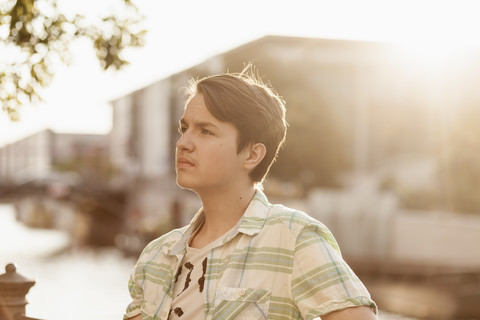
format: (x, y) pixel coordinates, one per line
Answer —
(196, 114)
(196, 110)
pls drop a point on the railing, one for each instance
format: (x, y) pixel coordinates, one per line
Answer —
(13, 290)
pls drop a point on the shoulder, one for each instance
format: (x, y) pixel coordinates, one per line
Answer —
(162, 243)
(299, 224)
(294, 219)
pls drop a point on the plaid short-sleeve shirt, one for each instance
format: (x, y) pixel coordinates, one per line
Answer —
(277, 263)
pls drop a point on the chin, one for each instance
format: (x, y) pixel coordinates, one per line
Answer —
(182, 183)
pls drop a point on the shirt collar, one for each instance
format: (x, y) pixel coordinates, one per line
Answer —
(254, 217)
(180, 245)
(250, 223)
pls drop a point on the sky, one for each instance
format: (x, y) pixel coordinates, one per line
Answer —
(182, 33)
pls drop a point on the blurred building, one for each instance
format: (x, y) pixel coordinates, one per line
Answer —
(47, 154)
(49, 176)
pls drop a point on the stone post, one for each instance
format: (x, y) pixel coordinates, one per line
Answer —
(13, 290)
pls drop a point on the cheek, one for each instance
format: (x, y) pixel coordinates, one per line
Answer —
(223, 156)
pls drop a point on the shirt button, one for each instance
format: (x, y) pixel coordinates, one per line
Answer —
(243, 292)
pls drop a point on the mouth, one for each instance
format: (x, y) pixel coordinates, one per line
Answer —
(184, 163)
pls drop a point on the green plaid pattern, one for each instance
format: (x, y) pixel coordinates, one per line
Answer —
(277, 263)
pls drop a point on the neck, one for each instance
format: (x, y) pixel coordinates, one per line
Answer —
(223, 209)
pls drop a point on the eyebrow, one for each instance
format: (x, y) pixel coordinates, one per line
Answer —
(202, 124)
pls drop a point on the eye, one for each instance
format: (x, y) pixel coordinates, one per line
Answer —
(207, 132)
(182, 129)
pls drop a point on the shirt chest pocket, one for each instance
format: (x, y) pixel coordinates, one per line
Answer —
(241, 303)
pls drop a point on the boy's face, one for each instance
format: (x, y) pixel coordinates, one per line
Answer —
(206, 155)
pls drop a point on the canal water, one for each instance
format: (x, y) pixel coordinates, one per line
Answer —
(72, 284)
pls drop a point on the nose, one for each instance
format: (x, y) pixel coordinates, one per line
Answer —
(185, 143)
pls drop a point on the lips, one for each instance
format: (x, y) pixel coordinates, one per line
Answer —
(184, 163)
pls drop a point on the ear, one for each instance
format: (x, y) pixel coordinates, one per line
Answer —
(254, 155)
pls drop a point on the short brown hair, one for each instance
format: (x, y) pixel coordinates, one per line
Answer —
(253, 107)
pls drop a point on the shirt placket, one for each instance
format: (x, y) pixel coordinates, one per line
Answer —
(211, 283)
(213, 274)
(166, 305)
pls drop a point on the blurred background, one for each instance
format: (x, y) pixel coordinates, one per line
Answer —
(383, 144)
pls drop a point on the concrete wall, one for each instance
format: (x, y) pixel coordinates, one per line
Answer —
(27, 159)
(371, 225)
(360, 221)
(147, 112)
(119, 138)
(155, 117)
(436, 238)
(32, 158)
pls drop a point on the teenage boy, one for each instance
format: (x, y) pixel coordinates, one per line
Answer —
(241, 257)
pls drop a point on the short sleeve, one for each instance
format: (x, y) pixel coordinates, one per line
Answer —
(322, 282)
(136, 293)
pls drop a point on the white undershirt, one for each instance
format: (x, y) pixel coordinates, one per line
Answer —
(188, 293)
